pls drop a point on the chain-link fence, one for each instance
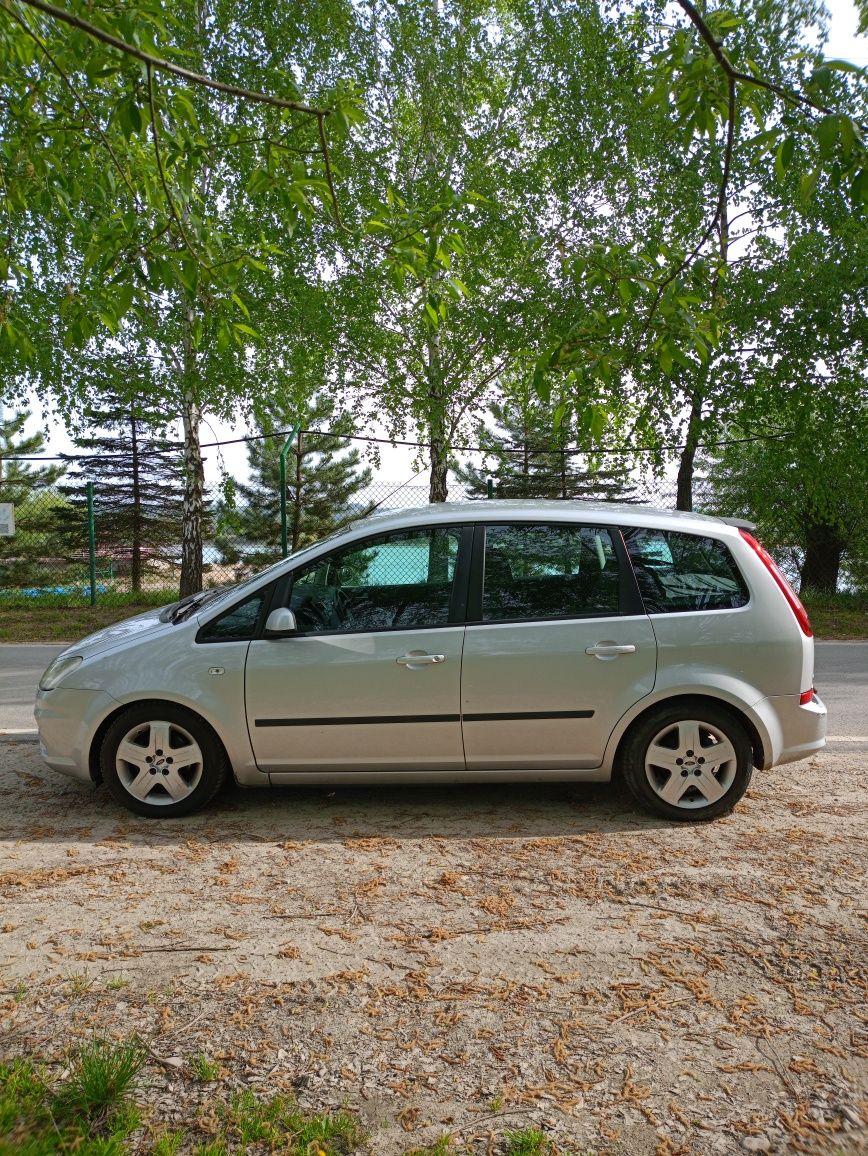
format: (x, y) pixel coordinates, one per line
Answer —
(68, 545)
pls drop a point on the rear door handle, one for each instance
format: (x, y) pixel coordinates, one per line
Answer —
(610, 649)
(420, 659)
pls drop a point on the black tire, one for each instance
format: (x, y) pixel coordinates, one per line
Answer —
(166, 786)
(664, 735)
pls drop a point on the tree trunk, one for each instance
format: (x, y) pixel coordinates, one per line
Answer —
(438, 454)
(136, 563)
(194, 498)
(684, 498)
(296, 505)
(687, 461)
(824, 548)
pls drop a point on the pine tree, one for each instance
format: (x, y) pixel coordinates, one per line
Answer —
(528, 455)
(19, 480)
(323, 483)
(26, 557)
(137, 477)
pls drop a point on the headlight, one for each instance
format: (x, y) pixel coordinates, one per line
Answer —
(58, 670)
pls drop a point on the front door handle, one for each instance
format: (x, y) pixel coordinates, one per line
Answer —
(610, 649)
(420, 659)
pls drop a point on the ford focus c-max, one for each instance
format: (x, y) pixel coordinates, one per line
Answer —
(475, 641)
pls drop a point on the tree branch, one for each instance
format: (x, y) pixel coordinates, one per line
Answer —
(732, 73)
(320, 123)
(77, 97)
(166, 66)
(161, 170)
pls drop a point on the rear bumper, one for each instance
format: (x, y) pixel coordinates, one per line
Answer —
(67, 720)
(795, 731)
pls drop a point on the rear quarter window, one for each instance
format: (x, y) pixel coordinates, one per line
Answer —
(677, 572)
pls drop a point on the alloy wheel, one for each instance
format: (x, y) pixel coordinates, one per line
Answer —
(159, 762)
(690, 764)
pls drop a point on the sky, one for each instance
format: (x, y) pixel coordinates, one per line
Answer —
(397, 464)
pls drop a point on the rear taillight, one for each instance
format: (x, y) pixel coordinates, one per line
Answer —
(786, 589)
(806, 696)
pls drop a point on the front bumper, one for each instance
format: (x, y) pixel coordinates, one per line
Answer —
(796, 730)
(67, 720)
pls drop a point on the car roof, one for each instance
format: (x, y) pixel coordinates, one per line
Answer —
(528, 510)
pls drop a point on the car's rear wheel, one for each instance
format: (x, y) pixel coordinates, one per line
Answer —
(688, 762)
(161, 761)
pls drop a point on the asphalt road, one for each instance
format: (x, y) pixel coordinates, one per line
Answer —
(841, 675)
(20, 668)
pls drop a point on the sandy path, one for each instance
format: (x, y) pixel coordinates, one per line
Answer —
(461, 959)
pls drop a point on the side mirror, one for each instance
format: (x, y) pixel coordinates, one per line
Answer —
(280, 622)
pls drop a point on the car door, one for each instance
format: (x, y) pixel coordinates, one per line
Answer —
(371, 680)
(557, 646)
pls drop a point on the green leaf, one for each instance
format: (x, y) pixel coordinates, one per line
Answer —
(821, 78)
(763, 139)
(845, 66)
(129, 116)
(258, 181)
(848, 134)
(183, 108)
(784, 155)
(239, 301)
(123, 298)
(827, 135)
(859, 188)
(808, 184)
(242, 327)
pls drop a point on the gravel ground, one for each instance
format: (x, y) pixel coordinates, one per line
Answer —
(463, 960)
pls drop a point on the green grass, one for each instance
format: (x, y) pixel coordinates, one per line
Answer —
(838, 616)
(528, 1142)
(102, 1078)
(279, 1123)
(441, 1147)
(42, 623)
(90, 1113)
(203, 1068)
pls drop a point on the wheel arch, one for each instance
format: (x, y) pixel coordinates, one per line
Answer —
(100, 732)
(692, 702)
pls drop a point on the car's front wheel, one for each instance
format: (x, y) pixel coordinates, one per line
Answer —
(161, 761)
(688, 762)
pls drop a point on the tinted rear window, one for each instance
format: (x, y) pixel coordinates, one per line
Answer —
(678, 571)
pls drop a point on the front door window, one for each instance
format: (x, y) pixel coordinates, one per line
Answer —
(397, 581)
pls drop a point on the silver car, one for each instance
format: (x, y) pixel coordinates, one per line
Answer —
(507, 641)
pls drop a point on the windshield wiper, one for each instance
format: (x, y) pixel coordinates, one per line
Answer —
(180, 611)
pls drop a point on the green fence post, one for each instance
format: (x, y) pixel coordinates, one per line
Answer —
(294, 432)
(490, 487)
(91, 542)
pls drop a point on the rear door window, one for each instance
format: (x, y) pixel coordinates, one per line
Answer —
(677, 571)
(534, 571)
